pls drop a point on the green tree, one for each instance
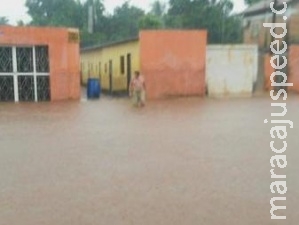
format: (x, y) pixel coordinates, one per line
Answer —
(158, 9)
(3, 20)
(70, 13)
(212, 15)
(21, 23)
(98, 22)
(55, 12)
(150, 22)
(187, 14)
(97, 14)
(124, 23)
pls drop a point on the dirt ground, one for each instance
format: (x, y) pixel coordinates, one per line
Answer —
(189, 161)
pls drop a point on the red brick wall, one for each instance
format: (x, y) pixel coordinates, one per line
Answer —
(63, 56)
(173, 62)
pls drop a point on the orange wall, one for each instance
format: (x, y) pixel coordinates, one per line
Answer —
(294, 67)
(173, 62)
(63, 55)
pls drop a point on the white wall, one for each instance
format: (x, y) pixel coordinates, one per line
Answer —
(231, 70)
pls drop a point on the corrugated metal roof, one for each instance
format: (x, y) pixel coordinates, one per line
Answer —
(264, 6)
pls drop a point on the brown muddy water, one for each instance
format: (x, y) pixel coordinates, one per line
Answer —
(185, 161)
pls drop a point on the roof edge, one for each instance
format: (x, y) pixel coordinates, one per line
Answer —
(108, 44)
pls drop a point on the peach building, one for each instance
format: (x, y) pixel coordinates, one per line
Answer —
(39, 64)
(172, 62)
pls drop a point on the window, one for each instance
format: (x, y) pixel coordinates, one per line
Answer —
(24, 73)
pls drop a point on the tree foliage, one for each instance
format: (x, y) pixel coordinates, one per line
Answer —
(123, 23)
(126, 20)
(150, 22)
(3, 20)
(20, 23)
(215, 16)
(54, 12)
(158, 9)
(155, 19)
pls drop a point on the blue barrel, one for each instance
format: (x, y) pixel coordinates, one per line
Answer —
(93, 88)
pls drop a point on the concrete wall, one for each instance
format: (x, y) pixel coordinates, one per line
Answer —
(63, 55)
(173, 62)
(231, 70)
(95, 64)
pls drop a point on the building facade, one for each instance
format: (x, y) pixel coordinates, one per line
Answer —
(255, 33)
(113, 64)
(39, 64)
(253, 18)
(172, 62)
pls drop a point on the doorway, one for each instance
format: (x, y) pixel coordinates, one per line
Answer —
(110, 76)
(129, 72)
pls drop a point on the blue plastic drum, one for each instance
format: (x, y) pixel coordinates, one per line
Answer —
(93, 88)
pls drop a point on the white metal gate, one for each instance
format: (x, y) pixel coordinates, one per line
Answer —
(231, 70)
(24, 73)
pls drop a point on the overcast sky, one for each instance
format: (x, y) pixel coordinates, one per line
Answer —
(15, 10)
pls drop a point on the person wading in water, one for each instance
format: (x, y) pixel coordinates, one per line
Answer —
(137, 90)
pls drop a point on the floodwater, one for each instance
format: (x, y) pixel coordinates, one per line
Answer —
(187, 161)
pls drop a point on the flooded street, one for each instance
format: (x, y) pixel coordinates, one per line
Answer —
(188, 161)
